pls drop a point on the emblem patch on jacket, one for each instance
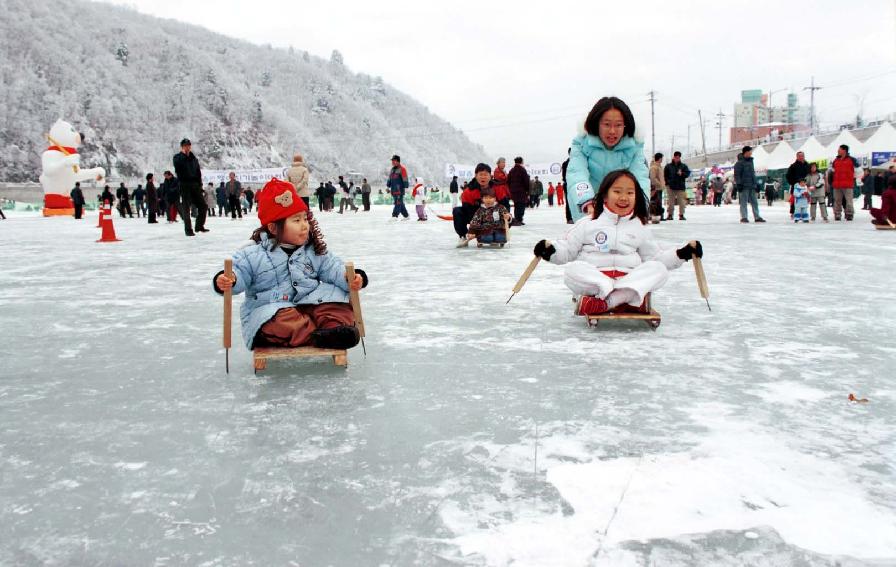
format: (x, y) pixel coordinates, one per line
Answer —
(582, 188)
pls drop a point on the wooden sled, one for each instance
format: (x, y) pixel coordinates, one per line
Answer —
(644, 313)
(498, 244)
(261, 355)
(885, 227)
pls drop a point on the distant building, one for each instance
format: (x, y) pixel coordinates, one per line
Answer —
(754, 119)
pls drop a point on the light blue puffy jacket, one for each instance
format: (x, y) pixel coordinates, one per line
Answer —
(273, 280)
(590, 161)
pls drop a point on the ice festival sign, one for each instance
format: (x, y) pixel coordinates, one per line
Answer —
(259, 175)
(466, 171)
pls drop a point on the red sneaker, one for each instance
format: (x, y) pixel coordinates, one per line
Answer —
(590, 305)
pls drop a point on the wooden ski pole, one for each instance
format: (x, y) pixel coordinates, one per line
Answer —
(228, 310)
(525, 277)
(701, 278)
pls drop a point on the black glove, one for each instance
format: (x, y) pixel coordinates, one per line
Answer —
(544, 250)
(689, 251)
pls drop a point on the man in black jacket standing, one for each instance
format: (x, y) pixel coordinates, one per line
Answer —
(78, 199)
(518, 183)
(675, 173)
(189, 177)
(124, 201)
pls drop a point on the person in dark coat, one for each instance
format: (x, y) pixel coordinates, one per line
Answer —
(152, 199)
(518, 183)
(330, 196)
(250, 198)
(107, 196)
(189, 177)
(221, 199)
(563, 167)
(78, 200)
(139, 195)
(867, 189)
(797, 170)
(124, 201)
(745, 182)
(321, 194)
(397, 184)
(171, 190)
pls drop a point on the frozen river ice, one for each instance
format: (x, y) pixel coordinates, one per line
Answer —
(472, 433)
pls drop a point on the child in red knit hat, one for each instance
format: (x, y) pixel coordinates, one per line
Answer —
(296, 291)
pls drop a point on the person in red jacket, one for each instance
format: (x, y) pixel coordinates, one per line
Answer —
(844, 182)
(470, 200)
(550, 194)
(886, 214)
(560, 200)
(499, 182)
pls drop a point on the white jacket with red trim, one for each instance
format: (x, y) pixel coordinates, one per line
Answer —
(611, 242)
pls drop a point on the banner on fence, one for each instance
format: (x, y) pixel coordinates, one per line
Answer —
(260, 175)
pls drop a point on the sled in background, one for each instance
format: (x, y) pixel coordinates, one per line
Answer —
(644, 313)
(261, 355)
(885, 226)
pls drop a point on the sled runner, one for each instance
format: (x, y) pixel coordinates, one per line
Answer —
(644, 313)
(885, 227)
(261, 355)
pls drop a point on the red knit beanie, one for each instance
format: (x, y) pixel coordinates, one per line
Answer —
(278, 200)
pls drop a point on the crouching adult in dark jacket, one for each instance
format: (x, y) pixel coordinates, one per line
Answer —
(470, 199)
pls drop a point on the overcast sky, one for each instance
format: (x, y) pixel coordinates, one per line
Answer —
(519, 77)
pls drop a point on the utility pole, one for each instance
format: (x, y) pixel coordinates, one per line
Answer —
(720, 116)
(703, 137)
(812, 88)
(652, 125)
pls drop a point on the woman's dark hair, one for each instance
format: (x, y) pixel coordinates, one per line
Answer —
(640, 209)
(483, 167)
(148, 176)
(811, 165)
(314, 234)
(605, 104)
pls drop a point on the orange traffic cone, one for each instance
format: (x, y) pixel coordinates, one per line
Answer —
(108, 229)
(99, 221)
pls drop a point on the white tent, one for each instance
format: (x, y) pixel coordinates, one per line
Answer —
(781, 157)
(856, 148)
(813, 149)
(760, 159)
(884, 140)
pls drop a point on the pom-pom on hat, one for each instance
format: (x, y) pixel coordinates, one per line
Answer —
(278, 200)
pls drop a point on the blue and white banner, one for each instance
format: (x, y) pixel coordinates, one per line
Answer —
(261, 175)
(878, 158)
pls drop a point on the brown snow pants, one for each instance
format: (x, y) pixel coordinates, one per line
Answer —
(292, 326)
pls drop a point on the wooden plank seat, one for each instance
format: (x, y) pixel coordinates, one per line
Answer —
(644, 313)
(884, 227)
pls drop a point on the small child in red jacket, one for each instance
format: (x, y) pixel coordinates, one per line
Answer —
(886, 214)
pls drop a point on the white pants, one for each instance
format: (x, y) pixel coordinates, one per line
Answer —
(586, 279)
(453, 199)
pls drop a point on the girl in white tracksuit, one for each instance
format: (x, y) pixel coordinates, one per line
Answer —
(419, 195)
(611, 259)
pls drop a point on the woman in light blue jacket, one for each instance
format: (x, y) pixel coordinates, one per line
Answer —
(607, 143)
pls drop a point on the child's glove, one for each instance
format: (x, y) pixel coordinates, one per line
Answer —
(690, 250)
(544, 250)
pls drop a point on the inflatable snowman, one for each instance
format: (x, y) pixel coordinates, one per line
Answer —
(61, 169)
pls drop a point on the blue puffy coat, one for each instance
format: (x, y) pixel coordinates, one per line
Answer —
(590, 161)
(273, 280)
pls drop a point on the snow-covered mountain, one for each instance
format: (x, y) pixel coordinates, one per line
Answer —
(135, 85)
